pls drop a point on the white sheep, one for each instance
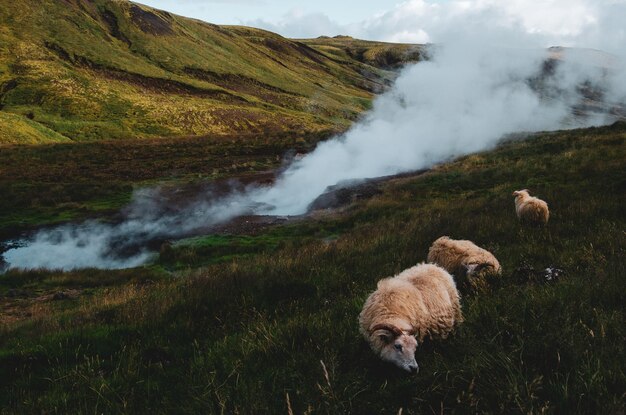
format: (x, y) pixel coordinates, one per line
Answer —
(464, 259)
(420, 301)
(529, 209)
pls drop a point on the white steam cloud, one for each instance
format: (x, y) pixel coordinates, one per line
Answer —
(149, 218)
(583, 23)
(459, 102)
(464, 99)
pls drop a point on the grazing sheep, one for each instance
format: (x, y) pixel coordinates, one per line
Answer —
(465, 260)
(529, 209)
(420, 301)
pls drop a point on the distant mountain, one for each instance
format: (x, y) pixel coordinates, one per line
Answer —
(377, 54)
(100, 69)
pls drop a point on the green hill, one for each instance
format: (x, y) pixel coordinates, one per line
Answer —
(114, 69)
(263, 322)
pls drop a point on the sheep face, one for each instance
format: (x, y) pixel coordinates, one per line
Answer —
(398, 349)
(521, 193)
(478, 270)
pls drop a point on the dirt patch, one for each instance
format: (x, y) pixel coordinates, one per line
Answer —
(59, 51)
(151, 23)
(110, 19)
(169, 86)
(5, 88)
(312, 54)
(235, 82)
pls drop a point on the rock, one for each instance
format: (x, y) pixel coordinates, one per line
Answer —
(552, 274)
(344, 193)
(526, 273)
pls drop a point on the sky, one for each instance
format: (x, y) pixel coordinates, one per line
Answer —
(241, 11)
(579, 23)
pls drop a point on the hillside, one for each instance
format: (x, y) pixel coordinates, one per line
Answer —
(87, 70)
(377, 54)
(266, 321)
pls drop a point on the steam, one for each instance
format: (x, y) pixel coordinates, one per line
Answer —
(151, 217)
(462, 100)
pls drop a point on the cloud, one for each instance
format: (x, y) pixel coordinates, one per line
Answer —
(586, 23)
(301, 25)
(406, 36)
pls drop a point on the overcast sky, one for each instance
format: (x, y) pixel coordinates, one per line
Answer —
(584, 23)
(241, 11)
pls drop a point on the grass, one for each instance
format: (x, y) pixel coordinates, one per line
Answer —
(212, 249)
(274, 326)
(91, 70)
(15, 129)
(52, 183)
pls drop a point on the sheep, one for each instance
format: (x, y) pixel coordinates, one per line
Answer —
(530, 210)
(420, 301)
(465, 260)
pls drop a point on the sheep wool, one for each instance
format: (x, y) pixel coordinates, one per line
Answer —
(420, 301)
(529, 209)
(465, 260)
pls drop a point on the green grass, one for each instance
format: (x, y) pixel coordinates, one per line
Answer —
(238, 336)
(52, 183)
(15, 129)
(92, 70)
(212, 249)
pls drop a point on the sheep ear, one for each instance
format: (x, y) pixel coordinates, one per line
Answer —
(384, 335)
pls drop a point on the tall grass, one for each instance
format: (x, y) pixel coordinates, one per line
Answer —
(275, 330)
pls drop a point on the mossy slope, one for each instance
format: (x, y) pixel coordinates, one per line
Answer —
(116, 69)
